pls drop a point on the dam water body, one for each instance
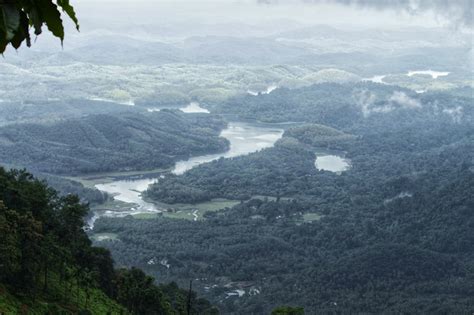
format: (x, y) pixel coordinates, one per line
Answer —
(244, 138)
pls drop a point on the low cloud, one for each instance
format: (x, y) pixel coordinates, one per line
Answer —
(404, 100)
(456, 113)
(458, 12)
(364, 99)
(368, 103)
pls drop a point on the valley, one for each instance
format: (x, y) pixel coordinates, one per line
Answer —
(251, 163)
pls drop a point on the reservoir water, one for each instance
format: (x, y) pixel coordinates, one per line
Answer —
(331, 162)
(193, 107)
(433, 74)
(244, 138)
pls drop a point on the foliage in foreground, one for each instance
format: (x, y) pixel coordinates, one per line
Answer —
(17, 16)
(48, 265)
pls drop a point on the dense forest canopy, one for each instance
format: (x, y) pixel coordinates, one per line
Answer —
(110, 142)
(383, 230)
(46, 256)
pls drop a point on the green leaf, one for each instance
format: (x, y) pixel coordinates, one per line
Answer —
(9, 20)
(64, 4)
(22, 33)
(52, 17)
(35, 20)
(3, 41)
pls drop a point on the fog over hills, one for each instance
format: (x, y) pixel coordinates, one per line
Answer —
(289, 157)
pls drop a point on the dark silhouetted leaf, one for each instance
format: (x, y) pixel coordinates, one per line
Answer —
(22, 32)
(35, 20)
(64, 4)
(9, 20)
(52, 18)
(17, 16)
(3, 42)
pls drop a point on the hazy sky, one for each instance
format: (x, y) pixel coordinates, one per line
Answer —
(378, 13)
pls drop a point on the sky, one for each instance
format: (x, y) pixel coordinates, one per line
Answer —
(175, 20)
(343, 13)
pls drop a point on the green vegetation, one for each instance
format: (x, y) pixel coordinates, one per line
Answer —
(390, 235)
(113, 205)
(310, 217)
(319, 136)
(258, 234)
(321, 103)
(38, 111)
(52, 302)
(48, 264)
(67, 186)
(346, 107)
(104, 143)
(18, 16)
(92, 179)
(197, 210)
(165, 99)
(211, 180)
(104, 236)
(147, 216)
(193, 212)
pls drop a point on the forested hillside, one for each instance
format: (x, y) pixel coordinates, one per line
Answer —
(48, 265)
(108, 142)
(390, 234)
(396, 135)
(36, 111)
(399, 254)
(345, 106)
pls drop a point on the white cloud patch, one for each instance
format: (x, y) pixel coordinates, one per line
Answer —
(367, 102)
(404, 100)
(456, 113)
(364, 99)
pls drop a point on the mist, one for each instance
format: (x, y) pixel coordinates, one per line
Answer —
(241, 157)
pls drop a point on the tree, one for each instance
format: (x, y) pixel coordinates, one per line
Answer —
(10, 253)
(18, 16)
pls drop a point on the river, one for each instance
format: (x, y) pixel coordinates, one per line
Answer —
(244, 138)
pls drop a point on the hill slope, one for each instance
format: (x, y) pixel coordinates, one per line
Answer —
(49, 266)
(101, 143)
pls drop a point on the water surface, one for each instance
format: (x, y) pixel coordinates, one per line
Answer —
(433, 74)
(377, 79)
(332, 163)
(193, 107)
(268, 90)
(244, 138)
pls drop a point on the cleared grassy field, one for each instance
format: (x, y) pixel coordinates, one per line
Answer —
(189, 211)
(90, 180)
(310, 217)
(114, 205)
(104, 237)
